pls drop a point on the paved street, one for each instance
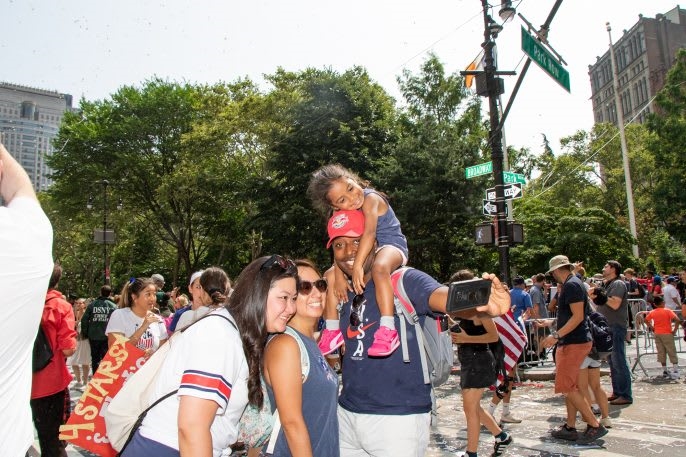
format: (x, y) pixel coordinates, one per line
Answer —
(654, 425)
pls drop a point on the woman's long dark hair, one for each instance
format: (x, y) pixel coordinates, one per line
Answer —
(248, 306)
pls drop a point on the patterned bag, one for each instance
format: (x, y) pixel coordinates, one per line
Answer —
(259, 426)
(256, 424)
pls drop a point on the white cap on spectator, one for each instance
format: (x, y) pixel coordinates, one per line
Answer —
(195, 276)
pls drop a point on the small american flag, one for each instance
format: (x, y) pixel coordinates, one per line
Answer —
(513, 339)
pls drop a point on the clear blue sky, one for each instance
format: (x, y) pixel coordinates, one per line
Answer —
(91, 48)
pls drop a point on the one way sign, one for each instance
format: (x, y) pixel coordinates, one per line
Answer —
(490, 208)
(511, 191)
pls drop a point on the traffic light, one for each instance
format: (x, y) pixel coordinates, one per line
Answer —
(515, 232)
(484, 234)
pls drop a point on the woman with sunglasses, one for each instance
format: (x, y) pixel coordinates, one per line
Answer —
(307, 407)
(213, 367)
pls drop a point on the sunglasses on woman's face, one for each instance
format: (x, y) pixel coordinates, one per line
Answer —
(281, 262)
(305, 287)
(354, 316)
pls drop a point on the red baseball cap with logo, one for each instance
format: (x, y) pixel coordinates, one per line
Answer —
(345, 223)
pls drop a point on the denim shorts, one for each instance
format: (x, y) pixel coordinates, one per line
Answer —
(477, 367)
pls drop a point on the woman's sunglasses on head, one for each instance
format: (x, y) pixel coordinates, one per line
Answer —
(277, 260)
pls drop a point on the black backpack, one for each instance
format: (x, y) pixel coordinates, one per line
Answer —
(601, 332)
(641, 290)
(42, 352)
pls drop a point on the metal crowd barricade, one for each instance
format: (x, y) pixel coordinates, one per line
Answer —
(531, 355)
(645, 340)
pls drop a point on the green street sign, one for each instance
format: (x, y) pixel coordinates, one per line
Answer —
(479, 170)
(513, 178)
(544, 59)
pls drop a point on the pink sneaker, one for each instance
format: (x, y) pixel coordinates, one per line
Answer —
(330, 341)
(385, 342)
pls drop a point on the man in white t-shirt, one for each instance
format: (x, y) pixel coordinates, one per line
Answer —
(25, 268)
(671, 295)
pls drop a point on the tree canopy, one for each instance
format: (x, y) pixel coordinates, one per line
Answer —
(217, 175)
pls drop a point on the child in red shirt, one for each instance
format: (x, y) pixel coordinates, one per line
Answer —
(664, 322)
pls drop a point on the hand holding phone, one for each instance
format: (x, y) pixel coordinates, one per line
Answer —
(468, 294)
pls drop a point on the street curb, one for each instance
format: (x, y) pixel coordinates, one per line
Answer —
(547, 374)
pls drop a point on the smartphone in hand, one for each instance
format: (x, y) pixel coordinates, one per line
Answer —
(468, 294)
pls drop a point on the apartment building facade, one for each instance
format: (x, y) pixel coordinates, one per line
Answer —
(644, 54)
(29, 121)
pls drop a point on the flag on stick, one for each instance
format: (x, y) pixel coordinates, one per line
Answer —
(477, 65)
(513, 339)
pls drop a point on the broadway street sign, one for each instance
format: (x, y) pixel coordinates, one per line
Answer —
(479, 170)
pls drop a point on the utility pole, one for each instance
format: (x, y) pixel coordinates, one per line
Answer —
(495, 88)
(107, 236)
(622, 140)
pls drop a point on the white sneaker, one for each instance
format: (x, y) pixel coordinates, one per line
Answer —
(509, 419)
(606, 422)
(674, 375)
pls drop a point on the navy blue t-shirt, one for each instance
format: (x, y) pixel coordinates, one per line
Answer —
(385, 385)
(573, 291)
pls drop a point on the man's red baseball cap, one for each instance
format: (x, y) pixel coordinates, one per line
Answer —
(345, 223)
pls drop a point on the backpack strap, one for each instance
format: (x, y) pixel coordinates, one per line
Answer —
(305, 370)
(142, 415)
(404, 307)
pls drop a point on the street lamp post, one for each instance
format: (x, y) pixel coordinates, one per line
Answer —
(105, 183)
(105, 236)
(495, 88)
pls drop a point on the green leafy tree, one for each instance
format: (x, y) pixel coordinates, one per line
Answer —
(157, 147)
(442, 133)
(319, 117)
(590, 235)
(669, 127)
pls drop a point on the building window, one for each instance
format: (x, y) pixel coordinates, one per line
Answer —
(599, 116)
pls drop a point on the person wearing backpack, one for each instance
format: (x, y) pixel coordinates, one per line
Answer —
(589, 374)
(616, 311)
(574, 343)
(385, 404)
(212, 369)
(50, 386)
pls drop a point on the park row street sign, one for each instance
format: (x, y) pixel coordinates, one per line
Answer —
(510, 178)
(544, 59)
(511, 191)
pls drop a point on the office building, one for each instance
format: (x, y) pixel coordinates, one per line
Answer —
(29, 120)
(643, 54)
